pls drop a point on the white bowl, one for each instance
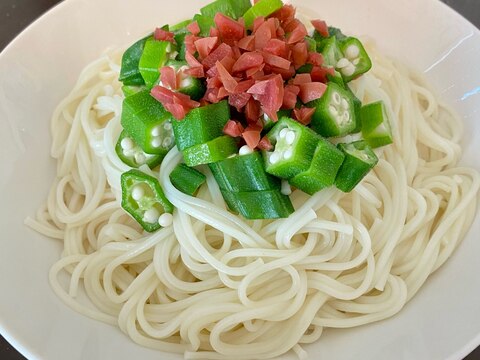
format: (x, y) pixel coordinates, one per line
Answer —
(40, 67)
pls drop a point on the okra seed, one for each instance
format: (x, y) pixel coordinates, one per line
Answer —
(245, 150)
(345, 104)
(127, 144)
(156, 142)
(346, 116)
(333, 110)
(166, 219)
(356, 61)
(288, 154)
(140, 158)
(352, 52)
(290, 137)
(342, 63)
(275, 157)
(151, 216)
(167, 142)
(283, 133)
(156, 131)
(337, 99)
(137, 192)
(167, 126)
(349, 70)
(186, 82)
(286, 189)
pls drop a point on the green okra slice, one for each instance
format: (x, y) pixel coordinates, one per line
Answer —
(376, 129)
(144, 200)
(232, 8)
(148, 123)
(132, 155)
(261, 8)
(155, 54)
(359, 160)
(205, 23)
(186, 179)
(355, 60)
(266, 204)
(132, 89)
(323, 169)
(293, 147)
(201, 125)
(129, 72)
(334, 112)
(211, 151)
(243, 173)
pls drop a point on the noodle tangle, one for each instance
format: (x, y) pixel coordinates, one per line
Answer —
(216, 286)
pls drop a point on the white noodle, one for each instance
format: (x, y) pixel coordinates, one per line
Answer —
(218, 287)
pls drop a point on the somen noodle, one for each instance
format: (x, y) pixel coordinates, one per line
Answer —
(217, 286)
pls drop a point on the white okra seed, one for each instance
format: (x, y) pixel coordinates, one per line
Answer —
(333, 110)
(337, 99)
(156, 142)
(137, 192)
(166, 219)
(288, 154)
(290, 137)
(349, 70)
(275, 157)
(167, 126)
(345, 104)
(286, 189)
(342, 63)
(156, 131)
(126, 144)
(167, 142)
(283, 133)
(151, 215)
(352, 52)
(140, 158)
(245, 150)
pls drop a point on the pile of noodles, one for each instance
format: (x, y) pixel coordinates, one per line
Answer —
(216, 286)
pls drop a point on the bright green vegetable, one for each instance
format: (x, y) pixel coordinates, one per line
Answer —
(204, 23)
(355, 60)
(330, 50)
(243, 173)
(211, 151)
(267, 204)
(293, 148)
(148, 123)
(304, 69)
(376, 128)
(132, 89)
(193, 87)
(311, 43)
(155, 55)
(201, 125)
(232, 8)
(334, 112)
(143, 199)
(326, 161)
(262, 8)
(179, 37)
(180, 26)
(186, 179)
(129, 72)
(359, 160)
(357, 105)
(133, 155)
